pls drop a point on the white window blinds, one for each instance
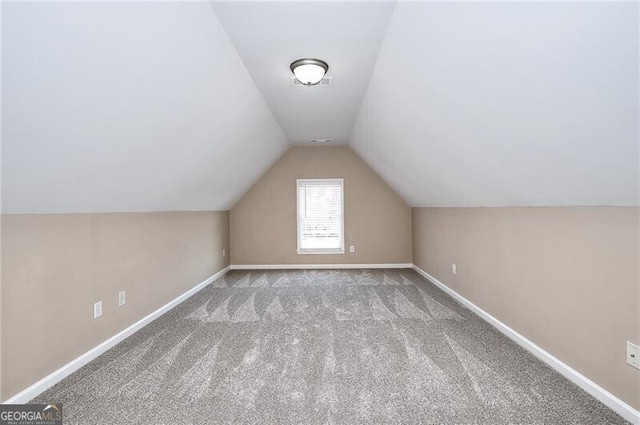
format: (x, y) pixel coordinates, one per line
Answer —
(320, 216)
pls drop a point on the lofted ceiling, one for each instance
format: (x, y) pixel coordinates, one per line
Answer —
(494, 104)
(127, 106)
(150, 106)
(269, 36)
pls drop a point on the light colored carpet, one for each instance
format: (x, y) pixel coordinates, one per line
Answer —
(321, 347)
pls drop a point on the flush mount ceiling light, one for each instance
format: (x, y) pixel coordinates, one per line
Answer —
(309, 71)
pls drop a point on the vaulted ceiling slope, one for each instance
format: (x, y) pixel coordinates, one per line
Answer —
(147, 106)
(127, 106)
(489, 104)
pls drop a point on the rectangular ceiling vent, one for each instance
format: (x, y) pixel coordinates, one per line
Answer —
(319, 141)
(325, 82)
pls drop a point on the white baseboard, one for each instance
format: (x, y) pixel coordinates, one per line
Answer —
(66, 370)
(614, 403)
(319, 266)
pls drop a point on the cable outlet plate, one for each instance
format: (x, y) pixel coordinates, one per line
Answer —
(633, 355)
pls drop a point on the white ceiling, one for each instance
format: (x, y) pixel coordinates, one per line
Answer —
(269, 36)
(129, 106)
(490, 104)
(123, 106)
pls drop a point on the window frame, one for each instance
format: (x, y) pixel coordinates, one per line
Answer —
(320, 250)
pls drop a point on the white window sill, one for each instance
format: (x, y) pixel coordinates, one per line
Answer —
(320, 251)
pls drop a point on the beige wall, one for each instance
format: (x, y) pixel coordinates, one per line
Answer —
(565, 278)
(55, 266)
(1, 398)
(377, 220)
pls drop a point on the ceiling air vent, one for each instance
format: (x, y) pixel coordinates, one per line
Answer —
(319, 141)
(325, 82)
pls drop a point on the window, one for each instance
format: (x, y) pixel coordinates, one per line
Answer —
(320, 216)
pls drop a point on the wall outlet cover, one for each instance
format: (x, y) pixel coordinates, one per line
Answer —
(633, 355)
(97, 309)
(122, 298)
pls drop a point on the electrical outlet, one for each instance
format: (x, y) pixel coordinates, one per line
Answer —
(224, 252)
(97, 309)
(454, 268)
(122, 298)
(633, 355)
(352, 249)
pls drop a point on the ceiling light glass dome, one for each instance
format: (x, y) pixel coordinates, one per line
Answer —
(309, 71)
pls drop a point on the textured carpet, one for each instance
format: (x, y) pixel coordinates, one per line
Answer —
(331, 346)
